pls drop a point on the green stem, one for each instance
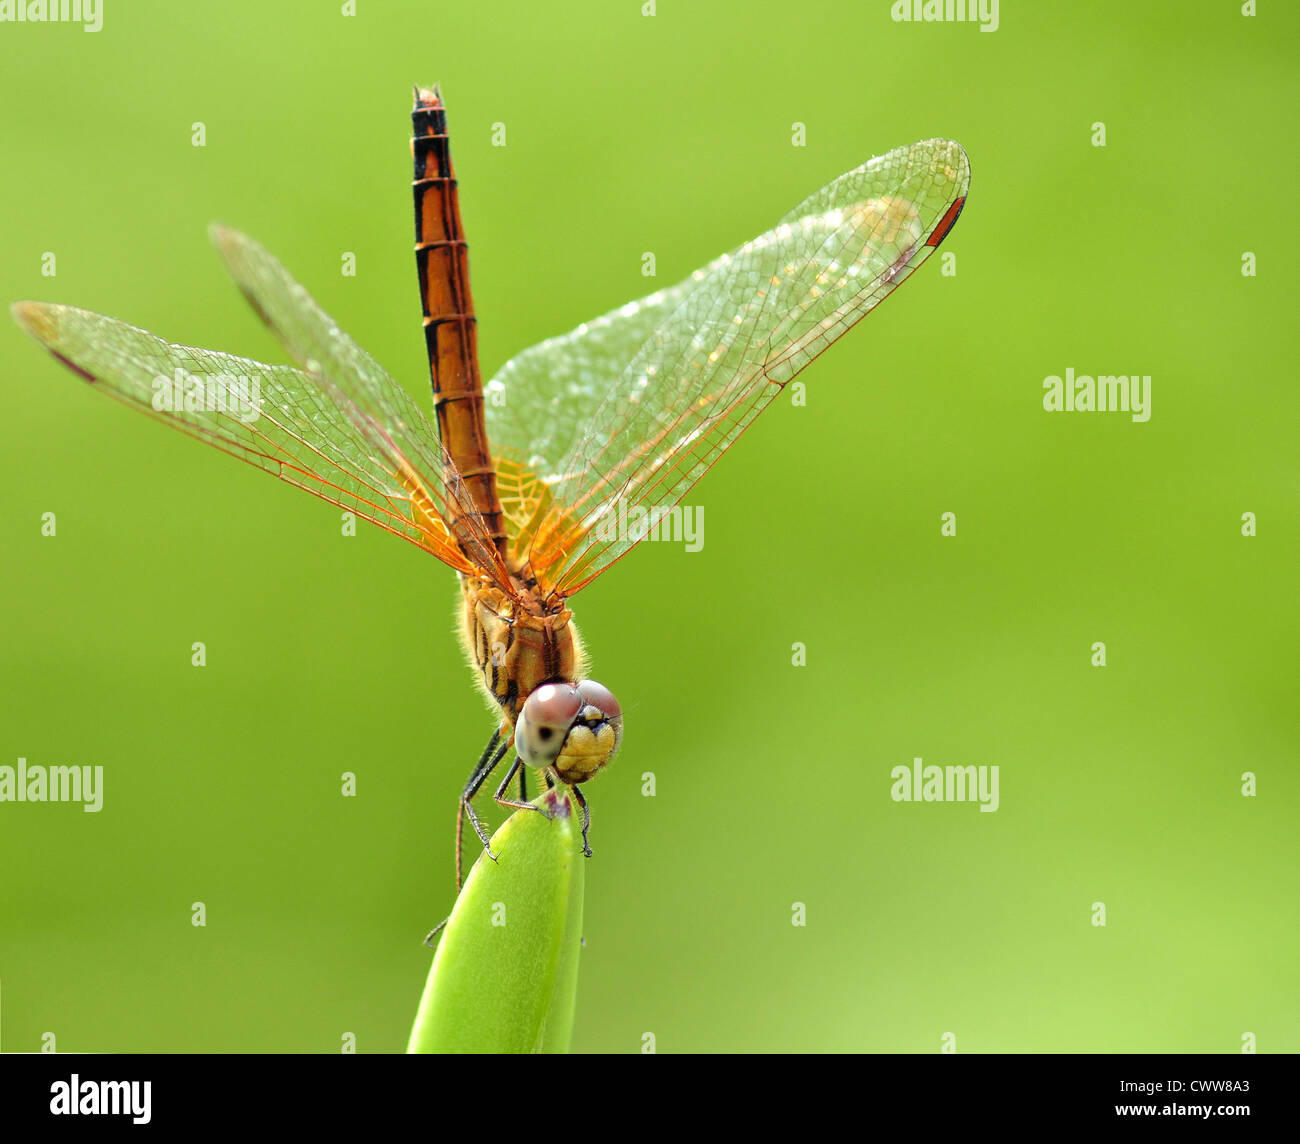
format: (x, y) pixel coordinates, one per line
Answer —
(505, 975)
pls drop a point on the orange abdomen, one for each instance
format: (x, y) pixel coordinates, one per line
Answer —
(450, 329)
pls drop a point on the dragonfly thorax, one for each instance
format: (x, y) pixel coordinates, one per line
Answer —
(512, 648)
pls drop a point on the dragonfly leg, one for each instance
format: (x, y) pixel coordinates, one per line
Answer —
(492, 755)
(518, 765)
(550, 785)
(432, 935)
(586, 819)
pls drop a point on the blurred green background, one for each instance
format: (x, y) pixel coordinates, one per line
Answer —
(671, 133)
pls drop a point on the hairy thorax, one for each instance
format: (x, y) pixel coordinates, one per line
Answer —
(516, 646)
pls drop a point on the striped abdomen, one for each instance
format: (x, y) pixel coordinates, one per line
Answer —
(450, 329)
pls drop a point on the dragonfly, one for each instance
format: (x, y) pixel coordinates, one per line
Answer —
(510, 480)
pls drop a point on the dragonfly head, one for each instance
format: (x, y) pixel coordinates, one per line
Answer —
(573, 728)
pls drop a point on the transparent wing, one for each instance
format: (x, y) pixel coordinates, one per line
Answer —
(634, 407)
(382, 410)
(277, 418)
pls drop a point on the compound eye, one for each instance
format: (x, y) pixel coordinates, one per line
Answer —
(553, 705)
(544, 722)
(599, 696)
